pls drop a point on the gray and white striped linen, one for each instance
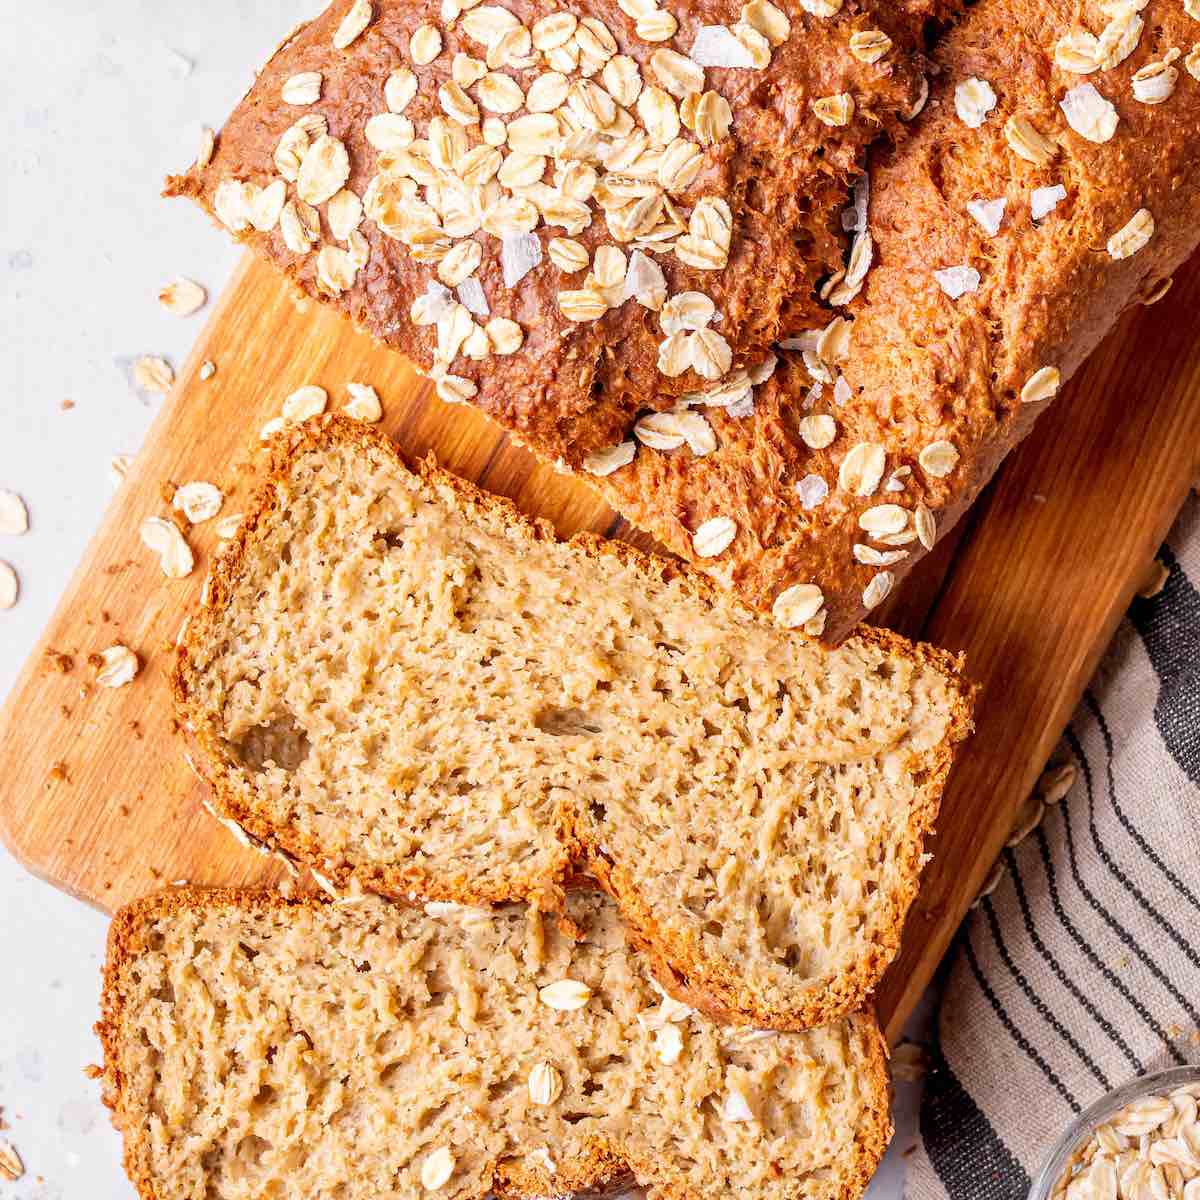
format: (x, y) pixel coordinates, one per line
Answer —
(1082, 969)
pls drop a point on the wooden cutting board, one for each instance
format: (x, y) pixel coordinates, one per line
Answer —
(95, 794)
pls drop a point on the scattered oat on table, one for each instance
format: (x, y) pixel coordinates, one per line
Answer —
(182, 297)
(8, 585)
(174, 554)
(116, 666)
(198, 501)
(153, 374)
(910, 1062)
(14, 516)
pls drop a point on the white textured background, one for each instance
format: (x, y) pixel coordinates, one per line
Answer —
(98, 102)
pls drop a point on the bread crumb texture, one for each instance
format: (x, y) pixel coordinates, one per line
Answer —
(404, 683)
(259, 1047)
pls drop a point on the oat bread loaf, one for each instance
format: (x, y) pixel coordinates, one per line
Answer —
(259, 1047)
(1052, 182)
(566, 212)
(405, 684)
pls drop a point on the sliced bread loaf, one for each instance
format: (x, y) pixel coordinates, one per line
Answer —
(255, 1047)
(509, 191)
(1040, 195)
(404, 683)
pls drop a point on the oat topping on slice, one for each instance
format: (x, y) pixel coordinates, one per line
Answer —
(870, 45)
(425, 44)
(1026, 141)
(303, 88)
(714, 536)
(881, 520)
(876, 592)
(812, 491)
(798, 604)
(1155, 82)
(1041, 385)
(925, 525)
(861, 469)
(357, 18)
(938, 458)
(718, 46)
(836, 110)
(399, 90)
(1120, 36)
(1132, 236)
(1192, 61)
(1077, 51)
(817, 431)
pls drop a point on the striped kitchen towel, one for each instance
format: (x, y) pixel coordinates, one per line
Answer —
(1081, 969)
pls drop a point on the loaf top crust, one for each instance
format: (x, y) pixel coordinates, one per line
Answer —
(928, 390)
(721, 185)
(410, 687)
(255, 1046)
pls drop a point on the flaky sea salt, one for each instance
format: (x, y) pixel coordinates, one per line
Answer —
(957, 281)
(812, 490)
(519, 254)
(715, 46)
(1044, 200)
(643, 278)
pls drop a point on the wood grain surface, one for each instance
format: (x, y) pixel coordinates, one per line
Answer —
(95, 794)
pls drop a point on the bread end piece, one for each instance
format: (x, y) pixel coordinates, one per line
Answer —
(270, 967)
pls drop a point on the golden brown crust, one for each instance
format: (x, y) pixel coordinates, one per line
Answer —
(608, 1164)
(716, 985)
(574, 388)
(926, 368)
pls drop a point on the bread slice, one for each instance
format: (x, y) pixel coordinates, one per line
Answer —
(399, 211)
(404, 683)
(259, 1047)
(936, 388)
